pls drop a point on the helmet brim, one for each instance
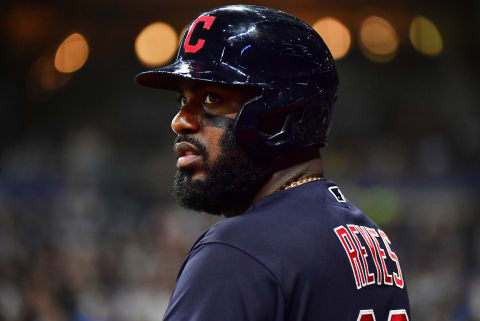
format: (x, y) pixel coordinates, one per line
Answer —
(168, 77)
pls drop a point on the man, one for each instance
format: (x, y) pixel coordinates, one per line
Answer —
(257, 89)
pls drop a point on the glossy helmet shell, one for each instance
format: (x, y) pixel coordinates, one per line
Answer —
(268, 49)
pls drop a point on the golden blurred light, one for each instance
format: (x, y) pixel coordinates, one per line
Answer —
(425, 36)
(71, 54)
(25, 24)
(44, 72)
(156, 44)
(379, 39)
(335, 34)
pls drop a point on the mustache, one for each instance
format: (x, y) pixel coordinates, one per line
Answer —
(188, 139)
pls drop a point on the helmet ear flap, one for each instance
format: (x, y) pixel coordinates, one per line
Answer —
(274, 131)
(292, 119)
(272, 134)
(273, 123)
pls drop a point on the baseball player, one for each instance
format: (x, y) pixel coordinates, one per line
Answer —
(256, 93)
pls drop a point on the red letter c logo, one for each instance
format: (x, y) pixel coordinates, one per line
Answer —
(208, 21)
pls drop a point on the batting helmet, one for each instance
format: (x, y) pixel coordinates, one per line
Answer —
(270, 50)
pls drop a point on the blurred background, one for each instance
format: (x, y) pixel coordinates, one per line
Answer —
(87, 227)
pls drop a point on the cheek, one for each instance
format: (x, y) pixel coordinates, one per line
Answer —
(212, 142)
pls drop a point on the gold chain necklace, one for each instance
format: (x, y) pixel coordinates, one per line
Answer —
(300, 182)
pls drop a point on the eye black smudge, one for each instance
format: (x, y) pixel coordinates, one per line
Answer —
(218, 121)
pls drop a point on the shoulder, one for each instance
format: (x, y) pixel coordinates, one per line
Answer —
(220, 282)
(283, 216)
(219, 258)
(284, 230)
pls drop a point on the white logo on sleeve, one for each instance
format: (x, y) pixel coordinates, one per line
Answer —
(337, 194)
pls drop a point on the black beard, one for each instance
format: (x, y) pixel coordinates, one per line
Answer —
(230, 183)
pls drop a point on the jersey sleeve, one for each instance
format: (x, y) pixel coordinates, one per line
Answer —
(220, 282)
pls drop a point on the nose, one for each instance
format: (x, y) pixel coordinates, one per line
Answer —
(185, 123)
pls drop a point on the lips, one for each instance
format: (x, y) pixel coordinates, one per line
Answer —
(187, 154)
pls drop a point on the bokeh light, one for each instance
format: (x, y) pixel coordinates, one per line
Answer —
(156, 44)
(71, 54)
(379, 39)
(335, 34)
(25, 25)
(425, 36)
(44, 72)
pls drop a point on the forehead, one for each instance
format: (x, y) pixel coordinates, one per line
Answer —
(197, 86)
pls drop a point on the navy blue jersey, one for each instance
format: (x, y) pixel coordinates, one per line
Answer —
(300, 254)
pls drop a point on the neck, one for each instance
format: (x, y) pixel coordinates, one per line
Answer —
(312, 167)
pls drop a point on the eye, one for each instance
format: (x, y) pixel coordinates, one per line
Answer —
(182, 100)
(210, 99)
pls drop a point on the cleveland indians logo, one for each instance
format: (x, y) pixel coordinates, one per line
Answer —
(207, 23)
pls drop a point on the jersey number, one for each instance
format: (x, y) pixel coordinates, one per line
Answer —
(394, 315)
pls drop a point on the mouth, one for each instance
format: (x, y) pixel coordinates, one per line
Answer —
(187, 154)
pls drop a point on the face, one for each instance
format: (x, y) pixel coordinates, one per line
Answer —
(214, 174)
(205, 113)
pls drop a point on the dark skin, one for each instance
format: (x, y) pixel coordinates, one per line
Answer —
(206, 109)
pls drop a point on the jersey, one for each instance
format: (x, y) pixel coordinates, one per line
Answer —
(300, 254)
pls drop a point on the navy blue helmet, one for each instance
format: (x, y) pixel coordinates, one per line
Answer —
(270, 50)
